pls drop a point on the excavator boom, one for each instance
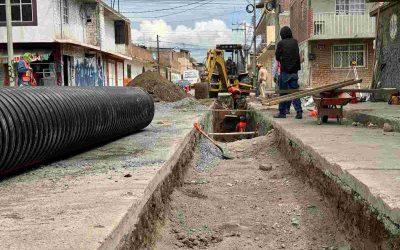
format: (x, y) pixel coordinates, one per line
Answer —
(220, 77)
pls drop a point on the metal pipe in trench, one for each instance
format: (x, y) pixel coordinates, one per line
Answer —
(42, 123)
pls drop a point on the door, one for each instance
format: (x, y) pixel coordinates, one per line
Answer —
(111, 73)
(67, 70)
(120, 74)
(3, 74)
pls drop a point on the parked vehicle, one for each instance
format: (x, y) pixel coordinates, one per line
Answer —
(185, 84)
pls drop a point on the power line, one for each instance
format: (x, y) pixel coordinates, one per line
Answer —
(172, 8)
(180, 12)
(200, 18)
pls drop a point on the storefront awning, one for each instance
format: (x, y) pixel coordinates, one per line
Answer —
(36, 55)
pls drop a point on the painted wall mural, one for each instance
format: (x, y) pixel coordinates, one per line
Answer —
(89, 72)
(388, 48)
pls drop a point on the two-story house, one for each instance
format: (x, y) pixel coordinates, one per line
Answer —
(71, 42)
(332, 34)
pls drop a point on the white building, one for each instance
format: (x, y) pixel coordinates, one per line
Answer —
(72, 42)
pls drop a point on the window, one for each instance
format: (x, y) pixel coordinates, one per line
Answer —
(350, 7)
(120, 34)
(65, 10)
(303, 9)
(129, 71)
(23, 12)
(344, 55)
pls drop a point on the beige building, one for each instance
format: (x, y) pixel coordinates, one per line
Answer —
(266, 30)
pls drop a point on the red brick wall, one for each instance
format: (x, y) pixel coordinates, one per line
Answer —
(285, 4)
(300, 19)
(322, 69)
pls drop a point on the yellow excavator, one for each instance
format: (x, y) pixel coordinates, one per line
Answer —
(221, 73)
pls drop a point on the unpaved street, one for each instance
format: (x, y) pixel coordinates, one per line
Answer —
(235, 205)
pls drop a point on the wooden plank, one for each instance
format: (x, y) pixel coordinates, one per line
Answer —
(232, 134)
(389, 90)
(367, 90)
(328, 86)
(310, 92)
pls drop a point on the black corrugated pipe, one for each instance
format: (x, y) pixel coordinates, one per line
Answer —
(42, 123)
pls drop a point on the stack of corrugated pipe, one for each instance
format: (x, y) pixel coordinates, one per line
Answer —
(38, 124)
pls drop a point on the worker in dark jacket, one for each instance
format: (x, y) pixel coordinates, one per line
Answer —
(287, 54)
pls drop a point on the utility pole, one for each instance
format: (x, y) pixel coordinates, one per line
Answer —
(277, 23)
(10, 49)
(242, 29)
(255, 44)
(245, 37)
(158, 54)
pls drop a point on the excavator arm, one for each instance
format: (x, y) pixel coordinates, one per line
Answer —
(215, 59)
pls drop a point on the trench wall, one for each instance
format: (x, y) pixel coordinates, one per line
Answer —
(365, 225)
(140, 227)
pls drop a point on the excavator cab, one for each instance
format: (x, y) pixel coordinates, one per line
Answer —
(226, 66)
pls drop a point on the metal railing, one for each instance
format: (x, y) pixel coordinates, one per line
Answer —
(332, 24)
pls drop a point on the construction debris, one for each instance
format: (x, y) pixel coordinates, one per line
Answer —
(159, 87)
(387, 127)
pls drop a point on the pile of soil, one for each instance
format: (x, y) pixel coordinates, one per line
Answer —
(160, 88)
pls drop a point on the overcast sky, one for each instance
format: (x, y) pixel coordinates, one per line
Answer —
(189, 24)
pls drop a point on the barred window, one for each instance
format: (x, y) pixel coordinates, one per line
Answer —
(344, 55)
(65, 11)
(350, 7)
(23, 12)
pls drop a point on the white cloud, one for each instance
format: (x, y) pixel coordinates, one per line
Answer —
(202, 35)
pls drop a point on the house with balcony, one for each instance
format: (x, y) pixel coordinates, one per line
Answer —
(71, 42)
(265, 32)
(332, 34)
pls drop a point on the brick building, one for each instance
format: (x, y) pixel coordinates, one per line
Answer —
(331, 35)
(174, 63)
(142, 60)
(71, 42)
(266, 30)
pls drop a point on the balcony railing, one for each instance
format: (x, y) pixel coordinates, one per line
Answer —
(333, 25)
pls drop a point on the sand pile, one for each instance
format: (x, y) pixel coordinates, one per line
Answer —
(159, 87)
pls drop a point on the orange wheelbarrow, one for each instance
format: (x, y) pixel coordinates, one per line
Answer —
(331, 107)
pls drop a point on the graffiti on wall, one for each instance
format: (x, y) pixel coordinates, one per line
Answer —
(389, 64)
(89, 72)
(388, 48)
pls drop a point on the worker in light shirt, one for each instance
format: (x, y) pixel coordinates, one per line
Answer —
(262, 79)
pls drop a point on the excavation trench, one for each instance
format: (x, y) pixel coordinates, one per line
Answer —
(272, 195)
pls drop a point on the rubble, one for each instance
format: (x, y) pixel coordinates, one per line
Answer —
(160, 88)
(387, 128)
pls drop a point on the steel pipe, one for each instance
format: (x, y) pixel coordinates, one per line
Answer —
(42, 123)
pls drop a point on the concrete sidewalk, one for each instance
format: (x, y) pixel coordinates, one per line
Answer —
(376, 112)
(94, 200)
(363, 162)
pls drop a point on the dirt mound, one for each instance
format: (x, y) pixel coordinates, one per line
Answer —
(159, 87)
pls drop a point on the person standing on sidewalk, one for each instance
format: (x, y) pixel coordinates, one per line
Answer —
(25, 76)
(262, 79)
(288, 55)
